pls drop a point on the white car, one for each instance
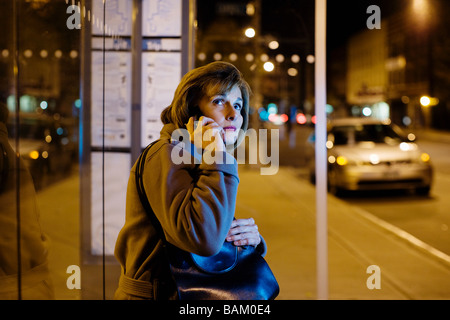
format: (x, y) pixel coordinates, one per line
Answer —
(369, 154)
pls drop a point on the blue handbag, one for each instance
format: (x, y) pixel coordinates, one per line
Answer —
(234, 273)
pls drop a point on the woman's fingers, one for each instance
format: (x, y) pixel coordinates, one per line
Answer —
(244, 232)
(205, 131)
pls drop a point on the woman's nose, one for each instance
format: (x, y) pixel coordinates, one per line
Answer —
(231, 112)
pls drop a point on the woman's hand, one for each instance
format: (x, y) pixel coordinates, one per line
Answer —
(204, 132)
(244, 232)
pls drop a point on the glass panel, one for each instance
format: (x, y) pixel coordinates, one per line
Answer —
(40, 87)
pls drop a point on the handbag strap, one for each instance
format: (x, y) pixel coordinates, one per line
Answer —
(142, 195)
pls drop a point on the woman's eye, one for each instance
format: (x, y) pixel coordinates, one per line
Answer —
(219, 102)
(237, 106)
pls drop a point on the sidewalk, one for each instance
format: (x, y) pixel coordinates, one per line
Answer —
(283, 206)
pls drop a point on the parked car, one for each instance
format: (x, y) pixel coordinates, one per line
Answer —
(369, 154)
(45, 146)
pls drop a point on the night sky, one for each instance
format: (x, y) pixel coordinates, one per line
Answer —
(294, 19)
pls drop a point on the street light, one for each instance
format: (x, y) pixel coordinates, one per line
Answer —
(268, 66)
(273, 44)
(250, 32)
(426, 101)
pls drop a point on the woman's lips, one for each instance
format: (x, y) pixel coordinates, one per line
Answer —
(230, 128)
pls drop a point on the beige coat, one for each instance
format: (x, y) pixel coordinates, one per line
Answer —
(195, 204)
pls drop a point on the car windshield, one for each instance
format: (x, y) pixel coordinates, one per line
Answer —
(377, 133)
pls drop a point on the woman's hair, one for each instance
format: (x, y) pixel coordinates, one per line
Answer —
(195, 85)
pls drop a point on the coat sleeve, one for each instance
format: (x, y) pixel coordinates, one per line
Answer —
(195, 203)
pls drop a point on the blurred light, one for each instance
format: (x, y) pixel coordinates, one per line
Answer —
(201, 56)
(342, 161)
(263, 114)
(60, 131)
(250, 32)
(233, 56)
(428, 101)
(273, 45)
(48, 138)
(411, 136)
(45, 154)
(273, 117)
(310, 59)
(217, 56)
(73, 54)
(331, 159)
(301, 118)
(5, 53)
(313, 119)
(406, 120)
(44, 53)
(264, 57)
(11, 103)
(421, 11)
(329, 144)
(28, 103)
(28, 53)
(269, 66)
(292, 72)
(425, 101)
(279, 58)
(425, 157)
(78, 103)
(34, 154)
(250, 9)
(367, 111)
(43, 105)
(272, 108)
(419, 5)
(405, 99)
(405, 146)
(249, 57)
(284, 117)
(58, 54)
(401, 61)
(374, 159)
(329, 108)
(295, 58)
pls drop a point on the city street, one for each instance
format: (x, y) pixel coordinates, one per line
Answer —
(425, 217)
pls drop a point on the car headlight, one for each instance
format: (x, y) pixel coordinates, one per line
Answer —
(33, 154)
(425, 157)
(341, 160)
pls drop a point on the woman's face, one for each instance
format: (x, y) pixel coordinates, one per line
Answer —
(225, 109)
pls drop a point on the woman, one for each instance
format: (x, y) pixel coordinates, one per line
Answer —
(193, 200)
